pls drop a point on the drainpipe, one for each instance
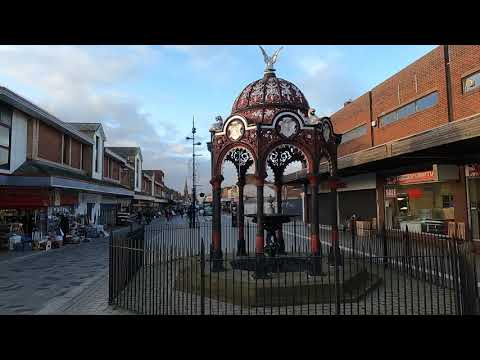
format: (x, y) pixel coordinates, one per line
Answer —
(446, 57)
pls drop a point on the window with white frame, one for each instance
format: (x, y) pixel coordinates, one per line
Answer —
(471, 82)
(5, 136)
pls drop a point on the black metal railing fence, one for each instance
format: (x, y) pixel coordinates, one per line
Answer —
(166, 269)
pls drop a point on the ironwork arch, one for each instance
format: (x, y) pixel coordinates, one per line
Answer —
(241, 158)
(282, 155)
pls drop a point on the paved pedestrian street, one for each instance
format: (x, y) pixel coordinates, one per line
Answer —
(43, 282)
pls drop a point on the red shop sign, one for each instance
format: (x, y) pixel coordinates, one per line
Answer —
(412, 178)
(415, 193)
(68, 199)
(24, 198)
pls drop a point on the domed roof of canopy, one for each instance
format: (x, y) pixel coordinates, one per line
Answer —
(263, 99)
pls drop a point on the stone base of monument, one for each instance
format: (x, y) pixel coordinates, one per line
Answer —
(285, 288)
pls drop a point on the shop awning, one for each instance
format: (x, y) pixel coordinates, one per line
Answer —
(452, 143)
(37, 174)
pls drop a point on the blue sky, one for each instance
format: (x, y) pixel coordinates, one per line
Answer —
(146, 95)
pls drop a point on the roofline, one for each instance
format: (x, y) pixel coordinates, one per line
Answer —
(127, 147)
(99, 126)
(33, 110)
(115, 155)
(147, 176)
(156, 170)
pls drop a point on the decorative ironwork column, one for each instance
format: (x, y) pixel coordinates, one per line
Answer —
(260, 237)
(314, 226)
(281, 241)
(241, 248)
(315, 247)
(216, 247)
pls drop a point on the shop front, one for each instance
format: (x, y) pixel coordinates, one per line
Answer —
(28, 207)
(425, 201)
(32, 212)
(472, 174)
(356, 197)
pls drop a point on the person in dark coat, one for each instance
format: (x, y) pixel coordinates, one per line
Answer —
(65, 226)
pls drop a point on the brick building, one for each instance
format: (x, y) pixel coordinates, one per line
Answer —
(409, 154)
(48, 166)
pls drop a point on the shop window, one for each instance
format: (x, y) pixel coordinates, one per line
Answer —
(420, 207)
(471, 82)
(354, 133)
(447, 201)
(5, 137)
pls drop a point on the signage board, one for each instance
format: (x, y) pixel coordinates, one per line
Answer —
(24, 198)
(472, 170)
(391, 193)
(412, 178)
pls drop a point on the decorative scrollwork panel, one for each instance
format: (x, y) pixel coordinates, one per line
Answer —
(282, 156)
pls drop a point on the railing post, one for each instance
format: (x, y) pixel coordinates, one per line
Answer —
(294, 235)
(467, 280)
(110, 269)
(455, 276)
(383, 234)
(202, 278)
(407, 249)
(353, 228)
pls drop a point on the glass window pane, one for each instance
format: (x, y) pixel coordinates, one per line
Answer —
(5, 116)
(472, 82)
(427, 101)
(4, 136)
(405, 111)
(3, 157)
(389, 118)
(354, 134)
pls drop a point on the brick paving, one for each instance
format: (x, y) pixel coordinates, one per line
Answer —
(45, 282)
(92, 301)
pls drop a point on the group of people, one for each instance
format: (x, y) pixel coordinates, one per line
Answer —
(146, 216)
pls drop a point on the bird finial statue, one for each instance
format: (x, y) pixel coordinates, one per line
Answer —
(270, 60)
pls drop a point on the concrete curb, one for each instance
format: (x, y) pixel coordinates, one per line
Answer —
(55, 306)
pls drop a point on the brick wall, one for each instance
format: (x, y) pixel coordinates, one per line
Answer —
(75, 154)
(350, 116)
(158, 175)
(49, 143)
(400, 89)
(420, 78)
(464, 60)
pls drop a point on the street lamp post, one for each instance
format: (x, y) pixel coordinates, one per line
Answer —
(194, 195)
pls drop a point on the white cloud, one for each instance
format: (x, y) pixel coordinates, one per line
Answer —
(80, 83)
(312, 66)
(325, 83)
